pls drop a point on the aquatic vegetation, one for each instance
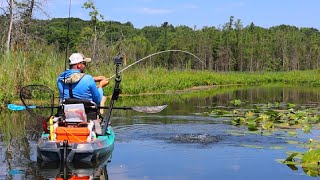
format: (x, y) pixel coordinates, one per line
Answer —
(271, 116)
(252, 146)
(278, 116)
(309, 161)
(236, 102)
(277, 147)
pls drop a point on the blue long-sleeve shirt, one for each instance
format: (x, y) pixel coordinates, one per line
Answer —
(86, 88)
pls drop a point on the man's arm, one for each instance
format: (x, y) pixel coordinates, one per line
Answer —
(103, 83)
(96, 92)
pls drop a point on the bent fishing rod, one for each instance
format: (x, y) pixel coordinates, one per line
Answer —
(172, 50)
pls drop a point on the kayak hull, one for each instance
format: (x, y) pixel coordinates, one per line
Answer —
(48, 150)
(61, 170)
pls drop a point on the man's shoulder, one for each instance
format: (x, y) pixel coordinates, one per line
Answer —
(88, 77)
(88, 81)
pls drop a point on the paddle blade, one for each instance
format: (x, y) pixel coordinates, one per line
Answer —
(149, 109)
(15, 107)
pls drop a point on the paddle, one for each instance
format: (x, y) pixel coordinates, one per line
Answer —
(15, 107)
(143, 109)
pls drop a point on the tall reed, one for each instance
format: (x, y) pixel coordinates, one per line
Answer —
(44, 66)
(20, 69)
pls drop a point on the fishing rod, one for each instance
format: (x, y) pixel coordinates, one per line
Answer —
(172, 50)
(115, 94)
(67, 46)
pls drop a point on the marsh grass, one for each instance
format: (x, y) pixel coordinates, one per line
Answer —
(39, 67)
(162, 80)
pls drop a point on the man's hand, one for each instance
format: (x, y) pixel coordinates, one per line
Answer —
(99, 78)
(103, 83)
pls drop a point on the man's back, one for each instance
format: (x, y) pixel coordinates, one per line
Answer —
(74, 84)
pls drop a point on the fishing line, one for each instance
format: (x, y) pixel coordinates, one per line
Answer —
(68, 36)
(154, 55)
(68, 41)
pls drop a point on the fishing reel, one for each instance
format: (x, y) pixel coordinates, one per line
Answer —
(118, 60)
(117, 90)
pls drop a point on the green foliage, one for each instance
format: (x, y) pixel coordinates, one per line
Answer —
(20, 69)
(268, 117)
(43, 67)
(308, 160)
(230, 48)
(236, 102)
(291, 158)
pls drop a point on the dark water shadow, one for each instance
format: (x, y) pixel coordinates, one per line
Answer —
(90, 170)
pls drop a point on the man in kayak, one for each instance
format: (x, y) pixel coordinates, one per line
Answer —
(73, 83)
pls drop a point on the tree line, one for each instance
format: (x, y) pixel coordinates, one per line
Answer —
(229, 47)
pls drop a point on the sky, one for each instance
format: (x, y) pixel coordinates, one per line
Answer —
(195, 13)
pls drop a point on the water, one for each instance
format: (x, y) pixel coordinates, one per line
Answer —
(178, 143)
(198, 151)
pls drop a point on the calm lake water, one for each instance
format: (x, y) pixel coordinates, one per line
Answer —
(176, 143)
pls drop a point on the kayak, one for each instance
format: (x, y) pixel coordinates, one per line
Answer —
(77, 132)
(74, 138)
(56, 150)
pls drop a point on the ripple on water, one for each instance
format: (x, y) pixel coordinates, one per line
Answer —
(198, 134)
(203, 139)
(201, 134)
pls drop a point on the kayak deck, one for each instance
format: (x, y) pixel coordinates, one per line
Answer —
(52, 150)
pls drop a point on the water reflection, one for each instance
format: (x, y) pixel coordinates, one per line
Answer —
(76, 170)
(313, 172)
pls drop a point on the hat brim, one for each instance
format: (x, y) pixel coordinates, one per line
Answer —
(87, 59)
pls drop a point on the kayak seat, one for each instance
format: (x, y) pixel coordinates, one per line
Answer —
(90, 107)
(75, 112)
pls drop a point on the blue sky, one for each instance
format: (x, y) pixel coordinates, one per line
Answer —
(199, 13)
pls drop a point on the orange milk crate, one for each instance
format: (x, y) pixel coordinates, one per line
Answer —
(72, 134)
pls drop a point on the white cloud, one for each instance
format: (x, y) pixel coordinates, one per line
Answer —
(189, 6)
(155, 11)
(146, 1)
(230, 6)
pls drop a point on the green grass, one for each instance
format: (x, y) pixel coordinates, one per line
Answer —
(20, 69)
(161, 80)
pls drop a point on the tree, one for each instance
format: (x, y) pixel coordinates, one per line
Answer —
(19, 13)
(8, 44)
(238, 46)
(94, 14)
